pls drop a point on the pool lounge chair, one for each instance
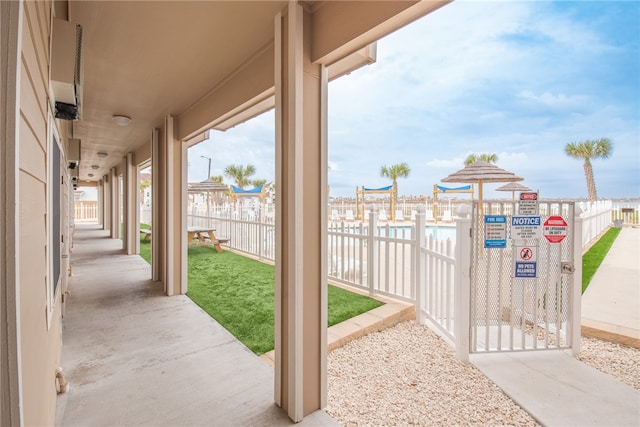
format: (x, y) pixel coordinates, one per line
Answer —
(429, 215)
(399, 215)
(349, 215)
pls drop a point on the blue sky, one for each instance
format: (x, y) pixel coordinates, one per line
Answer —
(518, 79)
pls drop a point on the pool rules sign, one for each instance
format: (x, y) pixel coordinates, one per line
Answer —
(554, 229)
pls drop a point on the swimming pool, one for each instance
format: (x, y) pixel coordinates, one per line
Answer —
(404, 231)
(439, 232)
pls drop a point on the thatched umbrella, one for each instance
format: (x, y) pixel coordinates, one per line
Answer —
(207, 186)
(481, 172)
(513, 187)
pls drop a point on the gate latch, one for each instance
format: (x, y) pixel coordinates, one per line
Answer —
(567, 267)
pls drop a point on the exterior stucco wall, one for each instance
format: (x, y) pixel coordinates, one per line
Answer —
(40, 329)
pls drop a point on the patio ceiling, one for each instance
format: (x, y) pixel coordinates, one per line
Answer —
(147, 60)
(150, 59)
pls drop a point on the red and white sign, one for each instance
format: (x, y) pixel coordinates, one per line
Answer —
(528, 204)
(554, 229)
(527, 253)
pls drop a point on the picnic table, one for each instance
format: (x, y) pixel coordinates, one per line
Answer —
(196, 236)
(204, 236)
(146, 232)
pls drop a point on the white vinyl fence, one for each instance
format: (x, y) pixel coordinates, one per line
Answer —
(625, 213)
(397, 260)
(596, 218)
(252, 232)
(373, 257)
(85, 211)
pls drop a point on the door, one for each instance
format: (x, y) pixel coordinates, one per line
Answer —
(522, 276)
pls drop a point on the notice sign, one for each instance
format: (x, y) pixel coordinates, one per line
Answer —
(526, 257)
(525, 227)
(495, 231)
(528, 204)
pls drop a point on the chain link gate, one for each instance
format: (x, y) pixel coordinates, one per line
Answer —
(522, 289)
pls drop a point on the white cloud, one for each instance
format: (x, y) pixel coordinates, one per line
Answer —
(559, 100)
(252, 142)
(457, 162)
(517, 81)
(520, 79)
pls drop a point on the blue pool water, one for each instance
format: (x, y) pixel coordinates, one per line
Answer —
(404, 231)
(438, 232)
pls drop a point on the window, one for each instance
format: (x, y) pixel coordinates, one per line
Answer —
(55, 185)
(56, 237)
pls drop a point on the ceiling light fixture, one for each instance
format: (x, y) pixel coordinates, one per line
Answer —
(121, 120)
(102, 154)
(90, 175)
(95, 167)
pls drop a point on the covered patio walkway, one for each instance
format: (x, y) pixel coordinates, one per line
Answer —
(135, 357)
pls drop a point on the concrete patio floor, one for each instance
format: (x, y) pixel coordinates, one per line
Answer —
(135, 357)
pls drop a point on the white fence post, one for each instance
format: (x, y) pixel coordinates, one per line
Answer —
(372, 252)
(261, 218)
(576, 303)
(418, 266)
(462, 283)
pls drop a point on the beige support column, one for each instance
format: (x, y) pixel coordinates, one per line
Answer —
(115, 203)
(10, 348)
(175, 224)
(100, 203)
(130, 240)
(106, 200)
(158, 208)
(301, 165)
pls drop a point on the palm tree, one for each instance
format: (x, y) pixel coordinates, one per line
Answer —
(587, 150)
(144, 184)
(217, 178)
(258, 182)
(394, 172)
(486, 157)
(240, 174)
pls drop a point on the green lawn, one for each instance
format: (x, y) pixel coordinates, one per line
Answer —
(145, 245)
(238, 292)
(594, 256)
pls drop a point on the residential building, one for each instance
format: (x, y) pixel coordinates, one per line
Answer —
(94, 90)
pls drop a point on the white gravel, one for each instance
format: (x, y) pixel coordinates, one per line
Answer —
(616, 360)
(407, 375)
